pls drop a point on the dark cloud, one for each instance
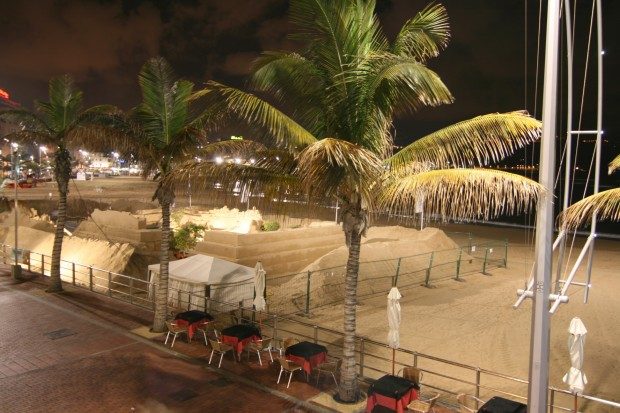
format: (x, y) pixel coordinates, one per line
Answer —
(103, 43)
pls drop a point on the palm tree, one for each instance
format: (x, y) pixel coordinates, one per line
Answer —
(65, 125)
(334, 138)
(165, 132)
(605, 204)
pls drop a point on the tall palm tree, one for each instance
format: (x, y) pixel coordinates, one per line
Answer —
(605, 204)
(334, 137)
(65, 125)
(165, 132)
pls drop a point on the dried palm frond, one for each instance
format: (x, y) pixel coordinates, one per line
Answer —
(482, 140)
(606, 206)
(461, 193)
(615, 164)
(333, 166)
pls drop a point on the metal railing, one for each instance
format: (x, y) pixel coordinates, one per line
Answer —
(373, 357)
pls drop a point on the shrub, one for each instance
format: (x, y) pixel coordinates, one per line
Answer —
(184, 238)
(270, 226)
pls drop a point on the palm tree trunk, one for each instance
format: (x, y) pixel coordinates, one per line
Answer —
(161, 294)
(63, 173)
(353, 225)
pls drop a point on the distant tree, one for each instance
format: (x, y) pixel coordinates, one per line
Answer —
(65, 125)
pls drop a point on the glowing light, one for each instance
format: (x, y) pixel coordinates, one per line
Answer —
(14, 144)
(237, 160)
(219, 160)
(4, 94)
(252, 161)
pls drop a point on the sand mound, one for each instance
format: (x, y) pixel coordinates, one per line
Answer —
(379, 256)
(100, 254)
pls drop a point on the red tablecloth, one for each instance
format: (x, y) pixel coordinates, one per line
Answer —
(308, 363)
(239, 344)
(191, 327)
(398, 406)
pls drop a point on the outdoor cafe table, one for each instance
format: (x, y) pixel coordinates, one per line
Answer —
(308, 355)
(500, 405)
(192, 319)
(392, 392)
(239, 335)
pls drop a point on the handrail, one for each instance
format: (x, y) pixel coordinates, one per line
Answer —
(278, 320)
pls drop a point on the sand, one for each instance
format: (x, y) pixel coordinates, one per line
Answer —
(473, 322)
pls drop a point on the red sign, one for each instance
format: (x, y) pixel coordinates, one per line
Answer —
(4, 94)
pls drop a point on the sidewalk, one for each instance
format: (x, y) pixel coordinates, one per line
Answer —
(79, 351)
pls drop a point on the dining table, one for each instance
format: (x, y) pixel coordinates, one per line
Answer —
(308, 355)
(193, 319)
(501, 405)
(392, 392)
(240, 335)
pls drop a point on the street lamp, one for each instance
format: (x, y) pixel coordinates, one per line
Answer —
(16, 269)
(42, 149)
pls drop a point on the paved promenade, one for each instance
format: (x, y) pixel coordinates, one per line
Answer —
(76, 352)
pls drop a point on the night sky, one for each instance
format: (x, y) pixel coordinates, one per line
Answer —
(103, 43)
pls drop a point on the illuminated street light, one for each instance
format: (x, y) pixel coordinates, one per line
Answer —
(219, 160)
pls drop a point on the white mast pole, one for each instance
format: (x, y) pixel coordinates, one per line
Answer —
(539, 345)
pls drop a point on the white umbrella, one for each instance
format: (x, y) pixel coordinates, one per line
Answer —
(575, 378)
(393, 314)
(259, 287)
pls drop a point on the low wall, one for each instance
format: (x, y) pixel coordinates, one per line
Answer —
(281, 252)
(144, 240)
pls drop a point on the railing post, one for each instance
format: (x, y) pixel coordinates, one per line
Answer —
(109, 283)
(395, 280)
(484, 263)
(189, 301)
(131, 290)
(73, 273)
(308, 293)
(3, 254)
(477, 383)
(415, 360)
(316, 334)
(552, 400)
(90, 277)
(458, 265)
(29, 269)
(275, 326)
(43, 265)
(362, 357)
(428, 270)
(506, 253)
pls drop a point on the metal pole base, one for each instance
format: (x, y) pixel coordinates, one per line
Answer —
(16, 272)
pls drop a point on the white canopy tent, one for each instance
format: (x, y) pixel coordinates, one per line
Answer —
(193, 279)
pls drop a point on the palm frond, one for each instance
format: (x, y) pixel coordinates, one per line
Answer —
(28, 137)
(164, 110)
(402, 84)
(606, 206)
(480, 140)
(461, 193)
(255, 110)
(333, 166)
(25, 119)
(613, 165)
(65, 103)
(425, 35)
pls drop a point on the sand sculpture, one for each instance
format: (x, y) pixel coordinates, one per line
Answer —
(379, 253)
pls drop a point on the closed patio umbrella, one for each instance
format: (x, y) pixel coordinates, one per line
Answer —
(575, 378)
(259, 287)
(393, 314)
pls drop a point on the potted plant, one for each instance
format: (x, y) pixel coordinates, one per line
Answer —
(184, 239)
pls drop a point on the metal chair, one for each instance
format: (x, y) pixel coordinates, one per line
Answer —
(468, 403)
(424, 406)
(413, 374)
(210, 330)
(175, 330)
(220, 348)
(289, 341)
(288, 367)
(258, 346)
(329, 367)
